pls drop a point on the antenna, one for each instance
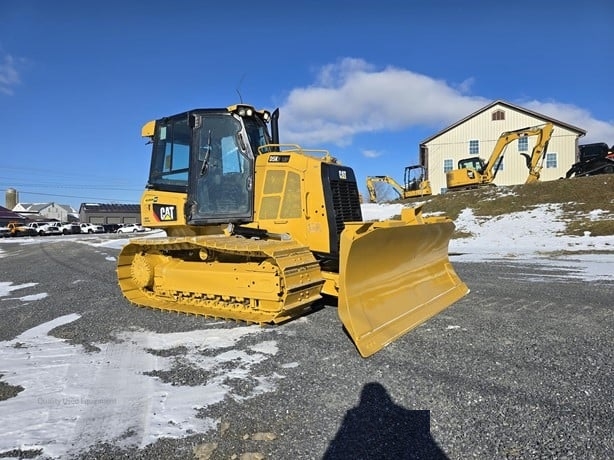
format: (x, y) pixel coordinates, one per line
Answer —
(239, 85)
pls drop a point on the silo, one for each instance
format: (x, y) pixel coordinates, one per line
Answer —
(11, 198)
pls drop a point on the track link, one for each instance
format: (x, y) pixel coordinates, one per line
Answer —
(229, 277)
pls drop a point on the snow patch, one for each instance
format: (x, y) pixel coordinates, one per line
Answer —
(6, 287)
(32, 297)
(72, 399)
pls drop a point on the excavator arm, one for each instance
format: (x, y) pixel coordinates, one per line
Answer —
(536, 160)
(544, 132)
(371, 180)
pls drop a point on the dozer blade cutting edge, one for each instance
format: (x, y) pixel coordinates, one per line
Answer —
(393, 276)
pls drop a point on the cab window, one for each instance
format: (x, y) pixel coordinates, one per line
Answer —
(171, 155)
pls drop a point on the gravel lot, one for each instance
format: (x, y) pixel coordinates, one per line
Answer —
(520, 368)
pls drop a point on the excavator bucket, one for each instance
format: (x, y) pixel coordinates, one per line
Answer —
(393, 276)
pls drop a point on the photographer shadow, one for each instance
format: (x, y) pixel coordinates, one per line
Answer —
(380, 429)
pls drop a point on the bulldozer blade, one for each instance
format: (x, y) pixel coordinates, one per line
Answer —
(393, 276)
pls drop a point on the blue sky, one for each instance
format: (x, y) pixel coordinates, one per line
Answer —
(366, 80)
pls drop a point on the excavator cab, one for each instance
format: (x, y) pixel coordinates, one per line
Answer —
(475, 163)
(415, 176)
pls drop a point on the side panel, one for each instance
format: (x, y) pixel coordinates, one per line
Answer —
(289, 198)
(167, 210)
(462, 177)
(307, 198)
(163, 209)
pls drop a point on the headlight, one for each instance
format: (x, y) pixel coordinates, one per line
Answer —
(246, 111)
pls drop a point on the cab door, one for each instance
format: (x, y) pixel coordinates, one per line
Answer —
(221, 181)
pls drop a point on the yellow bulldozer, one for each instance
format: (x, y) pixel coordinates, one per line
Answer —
(415, 184)
(259, 231)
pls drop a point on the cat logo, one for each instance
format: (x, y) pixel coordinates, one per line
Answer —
(165, 212)
(343, 174)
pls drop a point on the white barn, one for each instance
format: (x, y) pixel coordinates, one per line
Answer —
(51, 211)
(477, 134)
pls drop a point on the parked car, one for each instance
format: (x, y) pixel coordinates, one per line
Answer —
(71, 228)
(131, 228)
(91, 228)
(18, 229)
(44, 228)
(5, 232)
(36, 227)
(51, 229)
(111, 228)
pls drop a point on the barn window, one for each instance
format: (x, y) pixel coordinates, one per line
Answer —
(448, 165)
(498, 115)
(523, 144)
(474, 147)
(551, 160)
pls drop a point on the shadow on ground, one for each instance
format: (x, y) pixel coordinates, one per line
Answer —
(380, 429)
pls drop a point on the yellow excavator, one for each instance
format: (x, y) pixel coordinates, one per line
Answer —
(259, 231)
(415, 182)
(474, 172)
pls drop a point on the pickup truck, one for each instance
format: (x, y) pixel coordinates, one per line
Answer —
(91, 228)
(17, 229)
(70, 228)
(44, 228)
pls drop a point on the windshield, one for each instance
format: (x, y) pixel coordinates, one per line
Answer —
(223, 172)
(257, 133)
(471, 163)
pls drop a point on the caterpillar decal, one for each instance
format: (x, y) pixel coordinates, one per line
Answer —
(165, 212)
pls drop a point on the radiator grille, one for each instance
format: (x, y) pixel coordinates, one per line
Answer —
(346, 202)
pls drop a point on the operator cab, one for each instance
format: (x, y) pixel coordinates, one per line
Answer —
(474, 163)
(209, 154)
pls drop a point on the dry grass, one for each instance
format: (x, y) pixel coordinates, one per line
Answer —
(578, 197)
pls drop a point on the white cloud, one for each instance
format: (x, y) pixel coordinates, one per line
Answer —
(371, 153)
(596, 130)
(352, 97)
(9, 76)
(465, 86)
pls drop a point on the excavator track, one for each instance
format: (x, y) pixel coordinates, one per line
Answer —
(230, 277)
